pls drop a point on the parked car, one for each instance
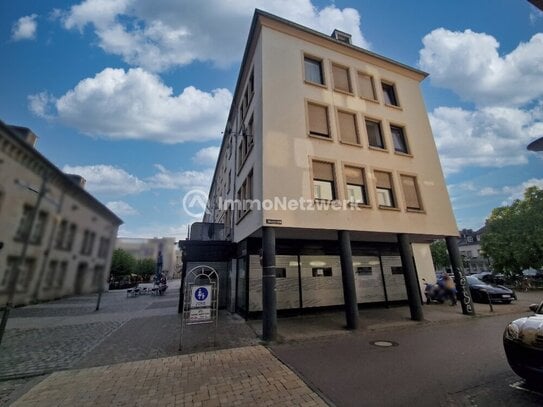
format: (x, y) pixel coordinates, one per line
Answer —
(490, 278)
(481, 291)
(523, 344)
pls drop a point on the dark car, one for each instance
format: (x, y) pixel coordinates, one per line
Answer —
(490, 278)
(523, 344)
(481, 291)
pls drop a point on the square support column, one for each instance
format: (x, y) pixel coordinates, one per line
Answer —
(269, 295)
(347, 278)
(410, 276)
(462, 287)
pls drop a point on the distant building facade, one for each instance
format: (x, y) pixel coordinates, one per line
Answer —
(142, 248)
(473, 257)
(70, 241)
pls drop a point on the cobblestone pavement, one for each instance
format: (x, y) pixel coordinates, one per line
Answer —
(245, 376)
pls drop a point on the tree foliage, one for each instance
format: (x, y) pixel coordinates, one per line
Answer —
(513, 236)
(440, 255)
(145, 268)
(122, 263)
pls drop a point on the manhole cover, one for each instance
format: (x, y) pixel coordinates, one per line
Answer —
(384, 344)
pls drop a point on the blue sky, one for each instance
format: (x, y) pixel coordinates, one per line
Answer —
(133, 94)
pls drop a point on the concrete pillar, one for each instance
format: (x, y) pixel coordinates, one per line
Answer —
(347, 278)
(410, 276)
(459, 278)
(269, 300)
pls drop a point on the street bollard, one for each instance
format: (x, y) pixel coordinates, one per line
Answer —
(489, 302)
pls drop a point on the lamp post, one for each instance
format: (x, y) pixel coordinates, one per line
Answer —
(14, 275)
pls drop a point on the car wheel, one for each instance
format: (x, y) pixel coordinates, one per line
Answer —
(507, 302)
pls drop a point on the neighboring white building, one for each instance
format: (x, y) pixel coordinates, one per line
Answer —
(142, 248)
(72, 238)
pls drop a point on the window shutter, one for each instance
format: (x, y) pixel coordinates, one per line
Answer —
(341, 78)
(318, 119)
(410, 192)
(354, 175)
(347, 127)
(365, 86)
(323, 171)
(383, 180)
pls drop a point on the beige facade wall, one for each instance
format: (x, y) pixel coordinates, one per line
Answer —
(289, 150)
(424, 264)
(53, 272)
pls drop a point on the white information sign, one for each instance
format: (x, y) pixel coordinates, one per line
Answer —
(200, 314)
(201, 296)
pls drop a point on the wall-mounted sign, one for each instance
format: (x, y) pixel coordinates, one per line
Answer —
(274, 222)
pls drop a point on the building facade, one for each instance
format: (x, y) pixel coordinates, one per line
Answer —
(142, 248)
(56, 237)
(473, 257)
(335, 143)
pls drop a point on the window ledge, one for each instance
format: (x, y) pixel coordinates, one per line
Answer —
(376, 101)
(389, 208)
(348, 143)
(360, 205)
(319, 85)
(394, 107)
(382, 150)
(320, 137)
(403, 154)
(416, 210)
(344, 92)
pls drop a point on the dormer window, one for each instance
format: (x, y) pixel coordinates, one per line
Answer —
(341, 36)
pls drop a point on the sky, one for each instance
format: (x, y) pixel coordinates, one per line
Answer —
(134, 94)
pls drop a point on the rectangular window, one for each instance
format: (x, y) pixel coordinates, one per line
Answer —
(24, 223)
(242, 151)
(385, 192)
(50, 276)
(249, 134)
(70, 237)
(280, 272)
(356, 185)
(252, 83)
(322, 272)
(25, 272)
(410, 192)
(342, 81)
(323, 181)
(396, 269)
(318, 120)
(39, 228)
(61, 234)
(313, 70)
(398, 137)
(375, 136)
(59, 280)
(90, 244)
(389, 94)
(348, 130)
(85, 242)
(364, 271)
(366, 88)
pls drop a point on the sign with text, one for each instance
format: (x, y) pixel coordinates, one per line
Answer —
(201, 296)
(200, 314)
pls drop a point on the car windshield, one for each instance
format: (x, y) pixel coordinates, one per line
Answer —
(474, 281)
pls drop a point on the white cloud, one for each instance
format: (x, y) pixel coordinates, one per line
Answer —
(136, 104)
(121, 208)
(25, 28)
(487, 137)
(469, 64)
(161, 35)
(517, 191)
(535, 14)
(207, 156)
(179, 232)
(166, 179)
(108, 179)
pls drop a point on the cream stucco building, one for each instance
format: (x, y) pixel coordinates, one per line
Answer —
(67, 245)
(142, 248)
(317, 122)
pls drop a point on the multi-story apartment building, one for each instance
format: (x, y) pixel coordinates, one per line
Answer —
(142, 248)
(63, 233)
(473, 257)
(316, 121)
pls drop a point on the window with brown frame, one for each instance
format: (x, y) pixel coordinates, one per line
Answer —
(389, 94)
(366, 88)
(385, 190)
(323, 181)
(318, 120)
(341, 77)
(355, 181)
(398, 138)
(313, 70)
(411, 192)
(375, 135)
(348, 130)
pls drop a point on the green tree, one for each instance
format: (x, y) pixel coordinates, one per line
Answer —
(145, 268)
(440, 255)
(513, 238)
(122, 263)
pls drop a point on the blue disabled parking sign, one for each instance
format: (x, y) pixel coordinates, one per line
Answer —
(201, 296)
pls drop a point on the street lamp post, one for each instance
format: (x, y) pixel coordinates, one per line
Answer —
(13, 276)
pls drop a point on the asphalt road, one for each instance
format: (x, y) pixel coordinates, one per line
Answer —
(458, 364)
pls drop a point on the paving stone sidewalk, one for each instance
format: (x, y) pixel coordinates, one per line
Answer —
(245, 376)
